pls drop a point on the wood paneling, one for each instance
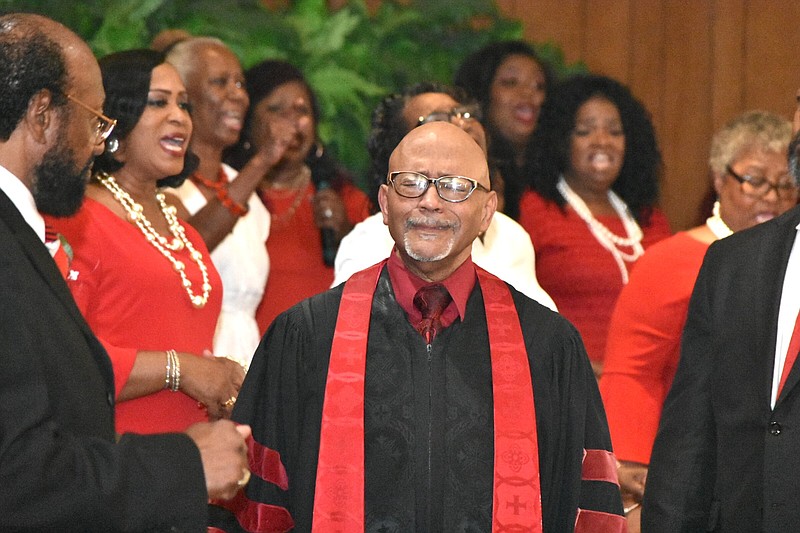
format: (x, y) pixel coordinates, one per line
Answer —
(694, 64)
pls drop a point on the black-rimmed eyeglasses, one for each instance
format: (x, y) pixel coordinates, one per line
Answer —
(454, 189)
(757, 187)
(464, 112)
(105, 125)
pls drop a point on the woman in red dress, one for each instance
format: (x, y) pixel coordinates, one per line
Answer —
(312, 202)
(591, 209)
(141, 277)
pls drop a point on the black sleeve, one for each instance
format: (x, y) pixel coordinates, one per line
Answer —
(680, 481)
(60, 467)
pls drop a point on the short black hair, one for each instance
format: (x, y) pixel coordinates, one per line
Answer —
(638, 180)
(389, 128)
(126, 80)
(29, 62)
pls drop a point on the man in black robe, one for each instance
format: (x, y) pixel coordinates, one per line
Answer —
(428, 415)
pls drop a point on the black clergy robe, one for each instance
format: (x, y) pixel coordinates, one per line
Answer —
(428, 422)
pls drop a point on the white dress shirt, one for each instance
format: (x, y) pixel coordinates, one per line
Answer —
(22, 198)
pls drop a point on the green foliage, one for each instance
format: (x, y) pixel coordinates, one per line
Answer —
(350, 56)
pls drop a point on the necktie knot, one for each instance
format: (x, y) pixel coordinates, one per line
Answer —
(431, 300)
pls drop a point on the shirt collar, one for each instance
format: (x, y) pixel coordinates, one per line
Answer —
(406, 284)
(22, 199)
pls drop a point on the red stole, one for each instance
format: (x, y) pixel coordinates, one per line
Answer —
(339, 497)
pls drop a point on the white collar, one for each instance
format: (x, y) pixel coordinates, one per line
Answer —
(22, 199)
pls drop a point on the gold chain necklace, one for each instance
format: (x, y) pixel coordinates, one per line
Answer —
(179, 241)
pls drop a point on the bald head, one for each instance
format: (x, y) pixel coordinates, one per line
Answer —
(445, 145)
(433, 235)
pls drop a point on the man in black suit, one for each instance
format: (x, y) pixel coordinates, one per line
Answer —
(62, 468)
(726, 457)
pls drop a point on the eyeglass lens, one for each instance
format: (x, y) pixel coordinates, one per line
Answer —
(449, 188)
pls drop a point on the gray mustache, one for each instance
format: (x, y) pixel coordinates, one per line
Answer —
(429, 223)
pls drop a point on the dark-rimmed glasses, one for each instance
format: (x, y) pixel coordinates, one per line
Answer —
(105, 125)
(758, 187)
(454, 189)
(464, 112)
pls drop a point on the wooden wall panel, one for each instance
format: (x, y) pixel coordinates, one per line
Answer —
(772, 55)
(562, 21)
(606, 37)
(685, 123)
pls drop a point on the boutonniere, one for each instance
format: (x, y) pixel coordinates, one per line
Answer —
(60, 250)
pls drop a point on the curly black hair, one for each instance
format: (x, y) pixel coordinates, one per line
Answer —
(126, 80)
(29, 62)
(389, 128)
(475, 76)
(638, 180)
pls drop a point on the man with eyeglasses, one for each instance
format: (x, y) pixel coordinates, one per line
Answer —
(504, 249)
(62, 468)
(726, 456)
(403, 400)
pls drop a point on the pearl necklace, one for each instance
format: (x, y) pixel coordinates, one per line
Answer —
(604, 236)
(718, 226)
(179, 240)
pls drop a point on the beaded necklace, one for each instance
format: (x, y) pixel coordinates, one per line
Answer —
(718, 226)
(604, 236)
(220, 188)
(179, 240)
(268, 194)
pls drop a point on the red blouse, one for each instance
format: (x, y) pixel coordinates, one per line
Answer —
(643, 346)
(133, 300)
(579, 274)
(295, 248)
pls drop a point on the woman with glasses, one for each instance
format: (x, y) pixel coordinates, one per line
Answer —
(591, 209)
(749, 172)
(142, 277)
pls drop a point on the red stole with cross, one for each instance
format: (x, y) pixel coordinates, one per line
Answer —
(339, 496)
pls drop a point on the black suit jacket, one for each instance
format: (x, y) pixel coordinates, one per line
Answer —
(723, 460)
(60, 467)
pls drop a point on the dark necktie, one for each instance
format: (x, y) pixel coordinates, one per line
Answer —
(431, 301)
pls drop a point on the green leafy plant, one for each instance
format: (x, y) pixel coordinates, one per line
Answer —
(351, 57)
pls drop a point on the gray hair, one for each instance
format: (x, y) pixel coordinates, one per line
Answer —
(183, 55)
(750, 130)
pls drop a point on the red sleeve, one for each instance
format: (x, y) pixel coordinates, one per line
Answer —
(643, 345)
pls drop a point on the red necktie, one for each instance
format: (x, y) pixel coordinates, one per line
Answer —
(431, 300)
(791, 355)
(57, 251)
